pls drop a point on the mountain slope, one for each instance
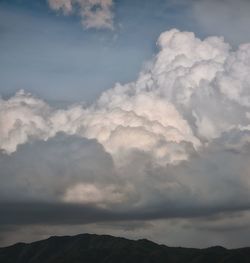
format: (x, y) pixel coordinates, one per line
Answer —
(107, 249)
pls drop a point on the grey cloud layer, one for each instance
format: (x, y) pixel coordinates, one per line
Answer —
(172, 144)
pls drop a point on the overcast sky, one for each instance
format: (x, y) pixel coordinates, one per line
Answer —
(129, 118)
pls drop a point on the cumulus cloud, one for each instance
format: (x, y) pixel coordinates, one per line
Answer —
(172, 144)
(22, 117)
(94, 13)
(192, 93)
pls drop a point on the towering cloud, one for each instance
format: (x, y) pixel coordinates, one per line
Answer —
(193, 92)
(94, 13)
(174, 143)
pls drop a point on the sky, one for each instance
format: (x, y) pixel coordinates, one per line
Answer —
(129, 118)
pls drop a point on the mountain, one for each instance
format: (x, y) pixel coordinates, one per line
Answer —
(87, 248)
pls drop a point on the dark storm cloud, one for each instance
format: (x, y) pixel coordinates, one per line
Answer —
(42, 170)
(204, 191)
(23, 213)
(37, 176)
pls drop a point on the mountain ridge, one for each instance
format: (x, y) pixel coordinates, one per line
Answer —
(92, 248)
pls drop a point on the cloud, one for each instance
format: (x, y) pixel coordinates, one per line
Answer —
(174, 144)
(94, 13)
(59, 182)
(43, 171)
(22, 117)
(90, 193)
(192, 93)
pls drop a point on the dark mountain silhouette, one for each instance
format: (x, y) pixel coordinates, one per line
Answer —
(88, 248)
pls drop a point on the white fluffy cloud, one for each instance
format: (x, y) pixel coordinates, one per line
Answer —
(94, 13)
(193, 92)
(22, 117)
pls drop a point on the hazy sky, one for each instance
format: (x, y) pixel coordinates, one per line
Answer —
(124, 117)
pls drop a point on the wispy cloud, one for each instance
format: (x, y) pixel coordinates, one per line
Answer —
(94, 13)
